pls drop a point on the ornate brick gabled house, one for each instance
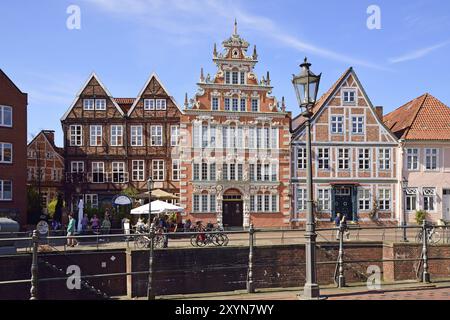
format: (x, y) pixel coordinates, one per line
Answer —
(423, 127)
(45, 165)
(355, 157)
(235, 145)
(115, 143)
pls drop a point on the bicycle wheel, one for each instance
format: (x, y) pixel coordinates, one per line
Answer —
(194, 240)
(419, 237)
(141, 242)
(435, 238)
(219, 240)
(159, 242)
(201, 241)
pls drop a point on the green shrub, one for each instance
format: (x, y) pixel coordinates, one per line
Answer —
(420, 216)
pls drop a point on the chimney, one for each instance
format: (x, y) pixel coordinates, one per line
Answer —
(50, 134)
(379, 110)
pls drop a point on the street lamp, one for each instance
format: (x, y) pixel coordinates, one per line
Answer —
(150, 291)
(404, 223)
(306, 86)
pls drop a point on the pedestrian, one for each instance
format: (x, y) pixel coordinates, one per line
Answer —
(337, 222)
(95, 223)
(84, 223)
(106, 226)
(71, 242)
(345, 227)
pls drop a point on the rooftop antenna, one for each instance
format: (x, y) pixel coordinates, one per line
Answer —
(235, 27)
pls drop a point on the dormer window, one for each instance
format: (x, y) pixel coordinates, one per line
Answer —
(161, 104)
(349, 96)
(149, 104)
(88, 104)
(100, 104)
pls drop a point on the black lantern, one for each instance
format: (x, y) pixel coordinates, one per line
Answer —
(306, 86)
(150, 184)
(404, 183)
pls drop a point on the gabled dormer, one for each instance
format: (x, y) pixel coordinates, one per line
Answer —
(154, 100)
(93, 101)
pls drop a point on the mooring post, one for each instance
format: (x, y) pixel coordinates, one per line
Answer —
(250, 284)
(341, 279)
(425, 275)
(34, 267)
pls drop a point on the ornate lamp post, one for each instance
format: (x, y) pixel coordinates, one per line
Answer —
(150, 291)
(306, 86)
(405, 222)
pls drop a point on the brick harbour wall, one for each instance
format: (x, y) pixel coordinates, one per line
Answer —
(193, 270)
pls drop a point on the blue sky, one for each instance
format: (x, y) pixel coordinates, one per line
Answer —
(124, 41)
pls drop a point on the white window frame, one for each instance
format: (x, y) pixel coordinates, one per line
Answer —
(76, 165)
(384, 199)
(3, 147)
(2, 190)
(3, 111)
(243, 104)
(323, 200)
(119, 172)
(301, 199)
(364, 158)
(175, 136)
(156, 135)
(384, 159)
(137, 136)
(149, 104)
(344, 159)
(76, 137)
(88, 104)
(176, 170)
(138, 170)
(116, 135)
(429, 154)
(161, 104)
(100, 104)
(227, 104)
(91, 199)
(358, 125)
(158, 170)
(254, 101)
(347, 94)
(411, 199)
(98, 167)
(95, 134)
(301, 158)
(412, 159)
(429, 193)
(337, 124)
(323, 158)
(364, 199)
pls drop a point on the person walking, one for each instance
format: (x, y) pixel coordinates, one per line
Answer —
(106, 226)
(345, 227)
(71, 242)
(337, 222)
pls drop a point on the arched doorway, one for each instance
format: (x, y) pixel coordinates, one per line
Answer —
(233, 209)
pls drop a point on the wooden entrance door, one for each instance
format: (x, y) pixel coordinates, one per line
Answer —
(343, 202)
(233, 215)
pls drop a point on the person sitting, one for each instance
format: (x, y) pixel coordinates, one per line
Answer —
(187, 225)
(84, 223)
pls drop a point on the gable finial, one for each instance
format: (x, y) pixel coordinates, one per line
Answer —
(215, 50)
(235, 26)
(186, 102)
(202, 77)
(255, 54)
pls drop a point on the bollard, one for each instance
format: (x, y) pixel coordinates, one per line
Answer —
(425, 275)
(250, 284)
(34, 267)
(150, 290)
(341, 279)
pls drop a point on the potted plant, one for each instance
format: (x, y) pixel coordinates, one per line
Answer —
(421, 215)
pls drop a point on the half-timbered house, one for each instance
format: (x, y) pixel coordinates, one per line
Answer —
(112, 144)
(355, 160)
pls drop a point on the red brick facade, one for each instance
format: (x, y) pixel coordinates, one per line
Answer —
(235, 146)
(355, 158)
(13, 150)
(45, 166)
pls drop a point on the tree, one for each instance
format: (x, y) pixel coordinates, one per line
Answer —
(33, 205)
(131, 192)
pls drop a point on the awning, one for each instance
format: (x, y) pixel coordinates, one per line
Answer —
(158, 194)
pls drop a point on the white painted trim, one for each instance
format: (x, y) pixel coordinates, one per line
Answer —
(93, 75)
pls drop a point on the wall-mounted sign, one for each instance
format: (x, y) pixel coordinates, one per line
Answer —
(121, 200)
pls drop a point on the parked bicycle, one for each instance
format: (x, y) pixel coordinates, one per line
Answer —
(434, 236)
(143, 241)
(202, 239)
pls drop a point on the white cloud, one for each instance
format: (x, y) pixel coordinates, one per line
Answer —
(417, 54)
(189, 18)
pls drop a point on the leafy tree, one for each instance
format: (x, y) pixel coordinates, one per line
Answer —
(421, 216)
(33, 205)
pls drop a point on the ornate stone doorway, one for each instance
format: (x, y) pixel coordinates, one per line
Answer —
(233, 209)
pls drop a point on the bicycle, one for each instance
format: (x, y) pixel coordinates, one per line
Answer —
(201, 239)
(143, 241)
(434, 236)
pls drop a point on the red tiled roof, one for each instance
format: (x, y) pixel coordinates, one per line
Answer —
(125, 103)
(299, 120)
(424, 118)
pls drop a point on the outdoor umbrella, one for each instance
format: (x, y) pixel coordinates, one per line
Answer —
(158, 194)
(158, 207)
